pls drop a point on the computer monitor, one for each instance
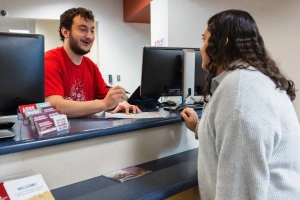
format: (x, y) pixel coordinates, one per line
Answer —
(21, 71)
(162, 72)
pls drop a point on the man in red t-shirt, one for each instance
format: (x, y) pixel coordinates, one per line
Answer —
(73, 83)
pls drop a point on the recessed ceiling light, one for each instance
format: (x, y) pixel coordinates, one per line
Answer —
(18, 31)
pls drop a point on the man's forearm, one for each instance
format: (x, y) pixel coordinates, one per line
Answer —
(75, 109)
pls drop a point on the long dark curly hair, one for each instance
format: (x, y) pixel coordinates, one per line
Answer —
(66, 19)
(234, 34)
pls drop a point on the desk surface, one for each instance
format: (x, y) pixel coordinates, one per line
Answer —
(170, 175)
(81, 129)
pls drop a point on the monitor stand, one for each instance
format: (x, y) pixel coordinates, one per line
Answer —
(188, 75)
(144, 103)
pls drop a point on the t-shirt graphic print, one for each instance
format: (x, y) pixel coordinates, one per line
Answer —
(77, 92)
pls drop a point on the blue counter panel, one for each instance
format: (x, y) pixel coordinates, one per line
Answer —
(81, 129)
(169, 176)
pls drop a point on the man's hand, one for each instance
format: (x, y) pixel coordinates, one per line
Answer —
(114, 96)
(190, 118)
(126, 106)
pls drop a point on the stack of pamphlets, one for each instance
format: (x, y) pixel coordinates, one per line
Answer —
(44, 118)
(135, 116)
(127, 173)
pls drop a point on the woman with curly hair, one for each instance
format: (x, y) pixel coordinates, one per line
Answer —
(249, 134)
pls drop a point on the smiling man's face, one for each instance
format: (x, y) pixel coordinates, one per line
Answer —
(82, 35)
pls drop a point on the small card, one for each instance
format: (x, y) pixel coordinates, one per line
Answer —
(28, 113)
(30, 188)
(127, 173)
(43, 104)
(53, 113)
(45, 126)
(23, 108)
(37, 117)
(61, 122)
(48, 108)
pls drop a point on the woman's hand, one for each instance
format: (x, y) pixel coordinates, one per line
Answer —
(190, 118)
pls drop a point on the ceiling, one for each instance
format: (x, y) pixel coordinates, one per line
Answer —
(135, 11)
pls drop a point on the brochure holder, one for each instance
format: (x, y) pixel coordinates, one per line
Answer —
(21, 118)
(49, 126)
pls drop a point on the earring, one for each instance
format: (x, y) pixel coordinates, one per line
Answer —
(226, 62)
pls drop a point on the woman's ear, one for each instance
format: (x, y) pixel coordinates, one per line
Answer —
(226, 41)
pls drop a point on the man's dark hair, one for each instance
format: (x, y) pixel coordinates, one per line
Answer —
(66, 19)
(244, 41)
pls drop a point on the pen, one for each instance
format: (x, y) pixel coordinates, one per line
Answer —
(111, 87)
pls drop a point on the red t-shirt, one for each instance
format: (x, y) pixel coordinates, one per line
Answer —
(82, 82)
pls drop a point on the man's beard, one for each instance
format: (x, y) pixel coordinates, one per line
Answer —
(74, 45)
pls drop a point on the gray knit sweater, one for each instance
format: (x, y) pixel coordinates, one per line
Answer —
(249, 140)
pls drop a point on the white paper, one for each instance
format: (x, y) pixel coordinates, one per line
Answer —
(26, 188)
(131, 115)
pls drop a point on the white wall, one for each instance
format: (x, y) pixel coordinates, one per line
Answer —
(278, 21)
(49, 28)
(119, 44)
(159, 21)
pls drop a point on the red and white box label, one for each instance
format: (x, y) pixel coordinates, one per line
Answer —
(45, 126)
(23, 108)
(37, 117)
(61, 122)
(48, 108)
(52, 113)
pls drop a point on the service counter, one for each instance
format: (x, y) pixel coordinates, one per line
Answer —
(170, 175)
(93, 146)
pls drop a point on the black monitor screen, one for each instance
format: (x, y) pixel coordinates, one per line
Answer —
(22, 71)
(162, 71)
